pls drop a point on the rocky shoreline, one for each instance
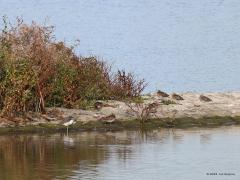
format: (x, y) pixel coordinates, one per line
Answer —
(155, 110)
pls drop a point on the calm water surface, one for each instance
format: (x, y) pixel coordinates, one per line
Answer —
(159, 154)
(177, 45)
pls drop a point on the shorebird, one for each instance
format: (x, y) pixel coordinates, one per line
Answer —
(98, 105)
(177, 97)
(68, 141)
(204, 98)
(161, 93)
(108, 119)
(69, 123)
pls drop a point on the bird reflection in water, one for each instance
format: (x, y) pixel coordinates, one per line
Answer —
(68, 141)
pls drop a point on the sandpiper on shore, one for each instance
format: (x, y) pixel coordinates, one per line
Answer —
(168, 110)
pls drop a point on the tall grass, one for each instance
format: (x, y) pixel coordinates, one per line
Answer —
(37, 71)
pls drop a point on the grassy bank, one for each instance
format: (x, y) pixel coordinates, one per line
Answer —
(127, 125)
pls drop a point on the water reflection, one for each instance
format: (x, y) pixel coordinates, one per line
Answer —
(119, 155)
(44, 157)
(205, 138)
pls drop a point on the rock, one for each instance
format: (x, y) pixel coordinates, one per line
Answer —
(162, 94)
(96, 115)
(177, 97)
(48, 118)
(204, 98)
(54, 112)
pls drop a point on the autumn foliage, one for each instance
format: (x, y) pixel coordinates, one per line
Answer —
(36, 72)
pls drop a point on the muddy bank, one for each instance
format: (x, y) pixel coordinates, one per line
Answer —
(156, 110)
(123, 125)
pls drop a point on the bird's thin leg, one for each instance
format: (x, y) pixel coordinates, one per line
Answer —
(67, 130)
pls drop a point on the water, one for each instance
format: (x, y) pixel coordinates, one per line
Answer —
(159, 154)
(177, 45)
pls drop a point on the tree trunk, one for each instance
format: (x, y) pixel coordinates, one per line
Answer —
(41, 99)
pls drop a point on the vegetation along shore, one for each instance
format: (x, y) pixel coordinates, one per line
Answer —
(44, 85)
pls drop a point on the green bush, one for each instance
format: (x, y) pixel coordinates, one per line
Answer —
(37, 71)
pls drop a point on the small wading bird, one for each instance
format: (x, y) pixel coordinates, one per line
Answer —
(69, 123)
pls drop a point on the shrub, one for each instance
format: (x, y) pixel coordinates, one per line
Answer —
(37, 71)
(143, 111)
(124, 85)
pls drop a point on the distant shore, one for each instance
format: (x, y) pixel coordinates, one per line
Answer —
(194, 110)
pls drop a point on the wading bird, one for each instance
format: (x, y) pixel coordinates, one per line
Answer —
(69, 123)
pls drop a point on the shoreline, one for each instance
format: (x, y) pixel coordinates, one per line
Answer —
(152, 124)
(168, 112)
